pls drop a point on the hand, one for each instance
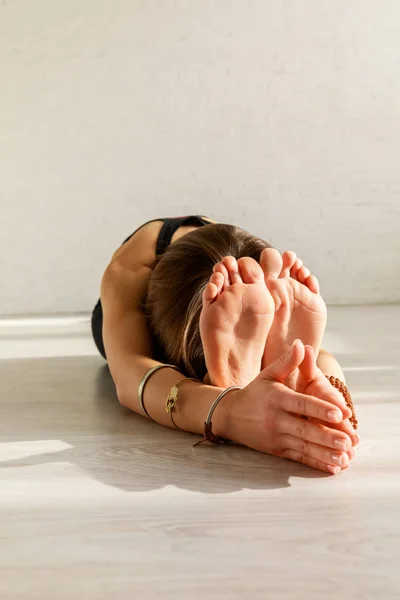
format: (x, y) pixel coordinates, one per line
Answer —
(266, 416)
(312, 381)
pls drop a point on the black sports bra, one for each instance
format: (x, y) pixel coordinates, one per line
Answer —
(170, 225)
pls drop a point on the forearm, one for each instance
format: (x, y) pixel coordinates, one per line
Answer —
(329, 365)
(191, 408)
(127, 342)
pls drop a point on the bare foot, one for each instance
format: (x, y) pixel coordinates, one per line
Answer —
(237, 314)
(300, 312)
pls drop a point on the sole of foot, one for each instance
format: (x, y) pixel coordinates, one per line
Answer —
(300, 311)
(237, 314)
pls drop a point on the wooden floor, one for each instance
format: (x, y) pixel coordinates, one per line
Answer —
(97, 503)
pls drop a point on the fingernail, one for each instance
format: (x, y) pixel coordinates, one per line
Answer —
(357, 438)
(334, 470)
(338, 459)
(335, 416)
(342, 445)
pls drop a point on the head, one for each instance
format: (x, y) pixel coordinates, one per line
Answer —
(174, 299)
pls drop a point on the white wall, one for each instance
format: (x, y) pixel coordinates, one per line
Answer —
(280, 116)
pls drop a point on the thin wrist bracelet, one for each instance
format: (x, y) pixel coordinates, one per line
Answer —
(173, 398)
(208, 434)
(143, 383)
(342, 388)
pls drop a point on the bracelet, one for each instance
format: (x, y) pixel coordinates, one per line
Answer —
(208, 434)
(342, 388)
(143, 383)
(173, 397)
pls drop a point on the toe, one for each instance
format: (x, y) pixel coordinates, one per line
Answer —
(232, 268)
(218, 280)
(249, 270)
(312, 284)
(288, 259)
(210, 293)
(213, 288)
(303, 274)
(296, 267)
(271, 263)
(221, 268)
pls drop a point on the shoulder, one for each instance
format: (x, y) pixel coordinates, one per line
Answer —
(140, 249)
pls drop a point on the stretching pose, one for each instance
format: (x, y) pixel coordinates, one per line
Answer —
(228, 311)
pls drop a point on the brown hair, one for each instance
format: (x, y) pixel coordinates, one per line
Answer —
(174, 299)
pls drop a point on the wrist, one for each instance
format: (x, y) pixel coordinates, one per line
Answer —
(222, 419)
(224, 423)
(194, 403)
(195, 400)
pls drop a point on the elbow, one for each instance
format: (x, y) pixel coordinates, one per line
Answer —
(123, 398)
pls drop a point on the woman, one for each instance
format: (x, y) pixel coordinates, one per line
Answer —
(228, 310)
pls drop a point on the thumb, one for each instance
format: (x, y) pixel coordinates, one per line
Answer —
(285, 364)
(308, 367)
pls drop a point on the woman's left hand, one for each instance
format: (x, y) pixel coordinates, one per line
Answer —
(312, 381)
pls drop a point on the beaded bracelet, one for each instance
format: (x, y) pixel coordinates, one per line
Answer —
(342, 388)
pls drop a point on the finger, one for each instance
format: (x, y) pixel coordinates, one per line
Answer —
(308, 367)
(313, 432)
(312, 462)
(351, 453)
(329, 393)
(344, 426)
(233, 270)
(284, 365)
(321, 453)
(317, 380)
(307, 405)
(288, 260)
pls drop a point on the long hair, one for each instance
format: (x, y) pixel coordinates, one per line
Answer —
(174, 300)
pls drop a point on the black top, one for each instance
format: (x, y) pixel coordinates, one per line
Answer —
(164, 239)
(168, 229)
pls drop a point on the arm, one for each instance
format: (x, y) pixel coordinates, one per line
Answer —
(129, 356)
(127, 339)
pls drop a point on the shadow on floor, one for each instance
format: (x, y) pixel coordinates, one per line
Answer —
(74, 400)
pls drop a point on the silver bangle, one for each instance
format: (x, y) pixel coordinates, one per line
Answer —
(209, 436)
(143, 383)
(217, 400)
